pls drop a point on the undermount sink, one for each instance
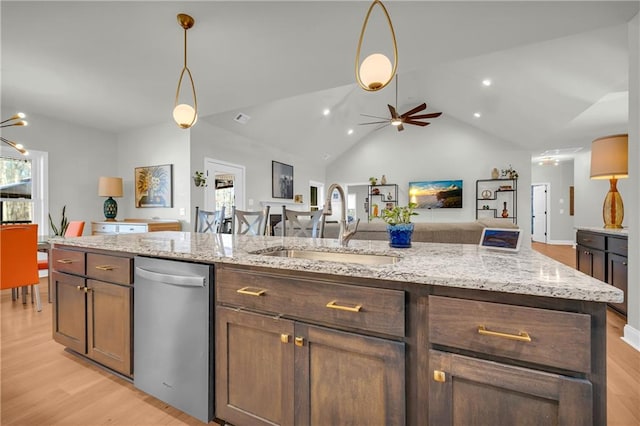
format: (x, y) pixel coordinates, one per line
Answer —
(360, 258)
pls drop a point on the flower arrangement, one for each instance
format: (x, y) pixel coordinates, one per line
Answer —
(398, 215)
(509, 173)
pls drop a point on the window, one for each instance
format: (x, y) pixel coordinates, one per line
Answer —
(22, 189)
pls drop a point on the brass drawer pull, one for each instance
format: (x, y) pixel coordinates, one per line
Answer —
(299, 341)
(439, 376)
(105, 267)
(65, 261)
(284, 338)
(333, 305)
(79, 287)
(251, 291)
(522, 337)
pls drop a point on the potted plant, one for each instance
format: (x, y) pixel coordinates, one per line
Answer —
(399, 226)
(64, 223)
(199, 179)
(373, 181)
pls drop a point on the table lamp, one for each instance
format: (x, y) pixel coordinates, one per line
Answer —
(609, 160)
(110, 187)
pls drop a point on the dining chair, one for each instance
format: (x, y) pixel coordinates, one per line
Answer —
(19, 259)
(249, 223)
(308, 224)
(209, 221)
(74, 229)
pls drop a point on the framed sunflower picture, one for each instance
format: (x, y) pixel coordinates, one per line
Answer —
(154, 186)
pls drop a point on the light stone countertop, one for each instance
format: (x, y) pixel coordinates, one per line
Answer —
(452, 265)
(620, 232)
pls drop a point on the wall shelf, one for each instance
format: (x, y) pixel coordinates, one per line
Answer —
(499, 195)
(383, 196)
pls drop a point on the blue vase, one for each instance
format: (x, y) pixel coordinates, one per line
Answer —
(400, 235)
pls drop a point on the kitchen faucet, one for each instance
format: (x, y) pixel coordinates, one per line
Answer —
(344, 234)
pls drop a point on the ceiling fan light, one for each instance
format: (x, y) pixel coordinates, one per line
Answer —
(185, 116)
(376, 71)
(396, 122)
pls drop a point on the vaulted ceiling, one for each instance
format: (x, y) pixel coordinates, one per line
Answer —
(559, 70)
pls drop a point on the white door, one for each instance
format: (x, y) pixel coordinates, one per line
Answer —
(217, 167)
(539, 213)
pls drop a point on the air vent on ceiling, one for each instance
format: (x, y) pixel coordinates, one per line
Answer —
(242, 118)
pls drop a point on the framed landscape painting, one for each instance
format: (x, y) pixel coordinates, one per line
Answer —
(281, 180)
(154, 186)
(436, 194)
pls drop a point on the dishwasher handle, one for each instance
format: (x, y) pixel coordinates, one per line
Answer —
(179, 280)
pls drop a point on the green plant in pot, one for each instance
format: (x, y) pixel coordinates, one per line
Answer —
(59, 231)
(199, 179)
(399, 226)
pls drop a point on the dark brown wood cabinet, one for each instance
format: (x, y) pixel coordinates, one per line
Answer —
(275, 368)
(471, 391)
(92, 306)
(494, 363)
(604, 256)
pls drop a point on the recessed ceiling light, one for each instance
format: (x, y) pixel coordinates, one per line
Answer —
(350, 131)
(477, 115)
(326, 111)
(486, 82)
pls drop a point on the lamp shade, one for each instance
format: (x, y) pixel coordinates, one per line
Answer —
(110, 186)
(609, 157)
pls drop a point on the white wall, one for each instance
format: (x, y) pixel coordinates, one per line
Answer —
(213, 142)
(78, 156)
(632, 195)
(447, 149)
(152, 146)
(559, 178)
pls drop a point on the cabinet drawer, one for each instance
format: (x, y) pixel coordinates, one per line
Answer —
(108, 268)
(557, 339)
(362, 308)
(590, 240)
(618, 246)
(67, 261)
(131, 229)
(102, 228)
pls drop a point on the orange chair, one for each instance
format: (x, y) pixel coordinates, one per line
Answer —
(75, 229)
(18, 258)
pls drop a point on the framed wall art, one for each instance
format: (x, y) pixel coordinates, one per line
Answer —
(154, 186)
(436, 194)
(281, 180)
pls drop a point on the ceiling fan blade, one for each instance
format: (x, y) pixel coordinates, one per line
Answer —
(417, 123)
(419, 108)
(432, 115)
(392, 110)
(374, 122)
(378, 128)
(374, 116)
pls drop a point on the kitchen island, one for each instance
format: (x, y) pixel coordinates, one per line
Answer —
(402, 337)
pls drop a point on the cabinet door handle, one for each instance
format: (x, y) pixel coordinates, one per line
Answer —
(79, 287)
(251, 291)
(523, 336)
(284, 338)
(587, 240)
(334, 305)
(65, 261)
(87, 289)
(587, 253)
(439, 376)
(105, 267)
(624, 263)
(299, 341)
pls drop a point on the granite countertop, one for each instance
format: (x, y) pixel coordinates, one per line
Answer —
(602, 230)
(452, 265)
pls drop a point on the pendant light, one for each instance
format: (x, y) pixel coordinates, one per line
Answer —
(376, 71)
(185, 115)
(16, 120)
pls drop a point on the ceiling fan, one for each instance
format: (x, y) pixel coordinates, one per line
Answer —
(408, 117)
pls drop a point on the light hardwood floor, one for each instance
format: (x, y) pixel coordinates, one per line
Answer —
(42, 384)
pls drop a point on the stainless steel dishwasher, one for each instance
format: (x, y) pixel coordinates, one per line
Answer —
(173, 334)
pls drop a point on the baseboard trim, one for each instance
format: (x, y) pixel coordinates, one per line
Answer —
(632, 337)
(561, 242)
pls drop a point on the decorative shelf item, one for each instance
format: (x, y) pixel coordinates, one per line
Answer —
(497, 198)
(381, 197)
